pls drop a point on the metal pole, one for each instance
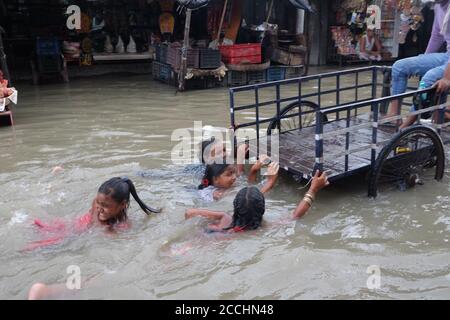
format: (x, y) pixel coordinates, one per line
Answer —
(3, 62)
(183, 68)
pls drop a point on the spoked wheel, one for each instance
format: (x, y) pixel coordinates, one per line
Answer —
(415, 156)
(296, 116)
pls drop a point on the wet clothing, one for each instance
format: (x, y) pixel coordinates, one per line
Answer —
(207, 194)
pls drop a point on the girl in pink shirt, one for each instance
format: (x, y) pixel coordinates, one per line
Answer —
(109, 209)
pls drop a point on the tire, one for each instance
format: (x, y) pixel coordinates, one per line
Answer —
(414, 156)
(292, 123)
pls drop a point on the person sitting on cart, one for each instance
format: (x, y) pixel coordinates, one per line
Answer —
(433, 66)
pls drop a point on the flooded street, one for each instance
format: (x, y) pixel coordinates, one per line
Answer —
(111, 126)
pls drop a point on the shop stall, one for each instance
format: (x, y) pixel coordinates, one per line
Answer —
(204, 43)
(392, 20)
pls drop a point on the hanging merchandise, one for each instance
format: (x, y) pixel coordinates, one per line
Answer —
(131, 48)
(71, 50)
(85, 23)
(86, 52)
(166, 23)
(373, 19)
(98, 23)
(108, 45)
(120, 48)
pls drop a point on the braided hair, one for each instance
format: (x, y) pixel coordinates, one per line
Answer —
(249, 208)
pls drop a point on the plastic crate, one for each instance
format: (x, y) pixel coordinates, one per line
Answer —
(156, 67)
(158, 52)
(236, 78)
(164, 48)
(241, 50)
(243, 60)
(275, 73)
(49, 63)
(192, 59)
(165, 73)
(294, 72)
(172, 52)
(47, 47)
(254, 77)
(210, 59)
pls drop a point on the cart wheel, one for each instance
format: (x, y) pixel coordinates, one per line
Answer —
(413, 157)
(299, 115)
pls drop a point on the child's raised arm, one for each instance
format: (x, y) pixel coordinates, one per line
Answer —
(272, 175)
(320, 181)
(256, 168)
(242, 151)
(212, 215)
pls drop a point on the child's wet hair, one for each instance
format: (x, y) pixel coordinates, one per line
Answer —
(120, 188)
(204, 146)
(249, 207)
(212, 171)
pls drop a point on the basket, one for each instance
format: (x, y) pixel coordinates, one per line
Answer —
(236, 78)
(243, 60)
(254, 77)
(192, 59)
(47, 47)
(210, 59)
(165, 73)
(49, 63)
(241, 50)
(275, 73)
(156, 67)
(294, 71)
(163, 51)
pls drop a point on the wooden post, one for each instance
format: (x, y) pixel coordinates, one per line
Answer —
(3, 64)
(183, 68)
(221, 21)
(270, 11)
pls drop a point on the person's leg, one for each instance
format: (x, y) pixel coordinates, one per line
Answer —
(405, 68)
(428, 80)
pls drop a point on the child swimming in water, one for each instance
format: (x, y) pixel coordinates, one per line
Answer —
(109, 209)
(219, 178)
(249, 208)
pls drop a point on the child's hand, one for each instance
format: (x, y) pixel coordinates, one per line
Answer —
(320, 181)
(273, 169)
(242, 153)
(259, 164)
(190, 213)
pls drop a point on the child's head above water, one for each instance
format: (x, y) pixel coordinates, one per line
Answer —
(212, 150)
(249, 207)
(219, 175)
(113, 200)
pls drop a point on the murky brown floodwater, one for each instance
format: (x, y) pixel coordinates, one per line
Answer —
(116, 126)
